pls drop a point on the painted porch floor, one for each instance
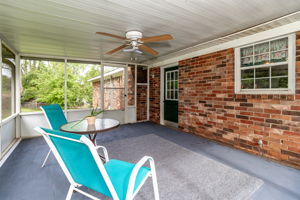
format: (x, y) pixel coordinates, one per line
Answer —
(21, 178)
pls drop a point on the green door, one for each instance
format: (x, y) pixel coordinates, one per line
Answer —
(171, 94)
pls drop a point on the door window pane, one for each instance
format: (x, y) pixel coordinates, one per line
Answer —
(8, 82)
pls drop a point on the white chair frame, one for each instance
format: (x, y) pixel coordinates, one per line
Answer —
(48, 154)
(75, 186)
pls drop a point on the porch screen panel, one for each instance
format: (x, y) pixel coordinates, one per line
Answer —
(131, 85)
(42, 83)
(8, 82)
(114, 88)
(83, 85)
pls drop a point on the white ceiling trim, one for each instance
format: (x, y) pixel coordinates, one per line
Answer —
(281, 26)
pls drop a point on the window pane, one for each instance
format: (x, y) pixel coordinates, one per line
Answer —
(262, 72)
(114, 90)
(279, 56)
(247, 84)
(8, 71)
(176, 84)
(280, 82)
(131, 85)
(176, 75)
(176, 94)
(261, 59)
(281, 70)
(247, 51)
(42, 83)
(248, 73)
(261, 48)
(277, 45)
(142, 74)
(262, 83)
(248, 61)
(83, 85)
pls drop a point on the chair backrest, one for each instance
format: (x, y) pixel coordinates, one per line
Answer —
(79, 160)
(54, 115)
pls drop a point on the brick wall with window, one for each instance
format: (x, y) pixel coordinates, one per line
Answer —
(209, 107)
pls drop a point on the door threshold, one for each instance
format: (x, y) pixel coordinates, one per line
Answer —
(171, 124)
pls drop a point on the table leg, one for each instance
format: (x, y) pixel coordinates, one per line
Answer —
(93, 139)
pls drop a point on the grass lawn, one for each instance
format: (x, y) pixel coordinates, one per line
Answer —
(30, 110)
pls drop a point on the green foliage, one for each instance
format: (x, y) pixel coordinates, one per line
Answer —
(95, 113)
(44, 82)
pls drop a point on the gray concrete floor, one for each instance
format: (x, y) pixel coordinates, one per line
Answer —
(22, 178)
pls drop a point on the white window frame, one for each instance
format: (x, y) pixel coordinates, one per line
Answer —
(173, 89)
(290, 62)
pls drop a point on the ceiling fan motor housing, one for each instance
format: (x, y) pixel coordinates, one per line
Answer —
(134, 35)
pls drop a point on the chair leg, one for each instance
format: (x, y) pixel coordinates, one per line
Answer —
(155, 185)
(70, 192)
(46, 158)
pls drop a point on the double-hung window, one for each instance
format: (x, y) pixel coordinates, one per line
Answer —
(266, 67)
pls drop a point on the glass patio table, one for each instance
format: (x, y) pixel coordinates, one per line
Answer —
(83, 128)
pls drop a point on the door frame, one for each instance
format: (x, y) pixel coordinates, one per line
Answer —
(162, 93)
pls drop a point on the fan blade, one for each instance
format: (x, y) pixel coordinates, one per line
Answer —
(112, 35)
(148, 49)
(117, 49)
(156, 38)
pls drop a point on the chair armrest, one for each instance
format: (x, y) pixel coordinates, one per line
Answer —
(135, 171)
(104, 151)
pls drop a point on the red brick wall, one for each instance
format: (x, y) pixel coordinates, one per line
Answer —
(208, 107)
(154, 96)
(141, 112)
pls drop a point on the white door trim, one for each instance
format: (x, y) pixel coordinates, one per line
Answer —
(162, 90)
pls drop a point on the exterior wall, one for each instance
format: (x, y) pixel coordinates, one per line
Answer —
(208, 107)
(131, 84)
(141, 103)
(154, 95)
(113, 98)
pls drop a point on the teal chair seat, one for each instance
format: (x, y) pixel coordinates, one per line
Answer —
(82, 165)
(119, 173)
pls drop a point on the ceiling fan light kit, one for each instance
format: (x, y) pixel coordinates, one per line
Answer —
(136, 41)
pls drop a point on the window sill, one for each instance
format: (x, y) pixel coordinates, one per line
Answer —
(267, 92)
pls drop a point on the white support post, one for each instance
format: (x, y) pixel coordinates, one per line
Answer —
(102, 87)
(135, 91)
(0, 97)
(126, 94)
(148, 93)
(66, 88)
(18, 85)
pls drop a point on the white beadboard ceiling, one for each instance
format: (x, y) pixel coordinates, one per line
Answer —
(67, 27)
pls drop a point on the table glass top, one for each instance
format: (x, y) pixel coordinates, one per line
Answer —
(83, 126)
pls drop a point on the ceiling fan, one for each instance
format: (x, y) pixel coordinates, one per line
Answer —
(136, 41)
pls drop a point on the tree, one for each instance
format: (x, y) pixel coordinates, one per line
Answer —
(44, 82)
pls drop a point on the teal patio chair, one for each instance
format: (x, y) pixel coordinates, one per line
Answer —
(55, 118)
(79, 160)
